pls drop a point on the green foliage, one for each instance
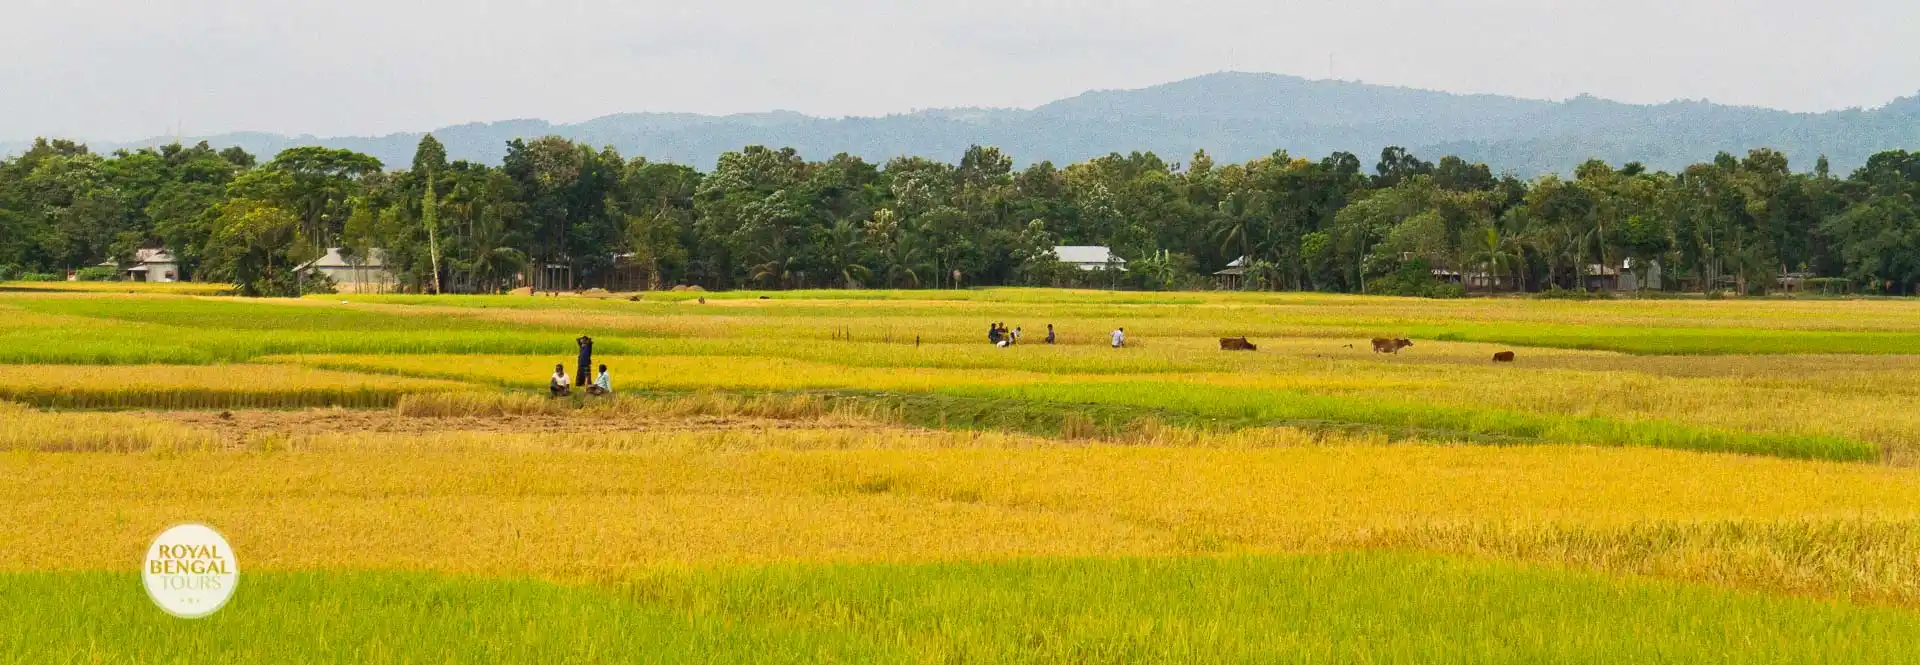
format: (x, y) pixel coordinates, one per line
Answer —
(768, 217)
(1415, 278)
(97, 274)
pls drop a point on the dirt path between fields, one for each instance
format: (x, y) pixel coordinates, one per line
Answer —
(240, 425)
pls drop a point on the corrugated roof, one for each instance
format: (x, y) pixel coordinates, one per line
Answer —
(157, 255)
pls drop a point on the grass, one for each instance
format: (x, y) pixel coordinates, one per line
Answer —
(1308, 397)
(164, 288)
(23, 429)
(1820, 405)
(1350, 608)
(203, 387)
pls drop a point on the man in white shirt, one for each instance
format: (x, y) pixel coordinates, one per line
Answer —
(1119, 337)
(557, 386)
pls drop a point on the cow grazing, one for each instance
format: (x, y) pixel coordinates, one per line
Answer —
(1237, 344)
(1503, 357)
(1384, 345)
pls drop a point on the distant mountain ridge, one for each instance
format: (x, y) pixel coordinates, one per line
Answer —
(1233, 116)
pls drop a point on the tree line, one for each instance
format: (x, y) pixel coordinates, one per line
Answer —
(770, 218)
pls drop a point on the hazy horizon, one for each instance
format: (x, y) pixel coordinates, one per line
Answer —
(101, 72)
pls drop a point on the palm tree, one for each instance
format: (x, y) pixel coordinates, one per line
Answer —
(903, 260)
(840, 248)
(493, 261)
(1495, 254)
(1234, 228)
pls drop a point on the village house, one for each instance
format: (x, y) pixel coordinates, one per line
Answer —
(1234, 275)
(149, 265)
(1089, 257)
(353, 273)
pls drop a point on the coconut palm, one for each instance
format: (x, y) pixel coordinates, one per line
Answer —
(1497, 255)
(493, 261)
(840, 248)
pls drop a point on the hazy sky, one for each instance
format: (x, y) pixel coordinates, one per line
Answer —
(126, 69)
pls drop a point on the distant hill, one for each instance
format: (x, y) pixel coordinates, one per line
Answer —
(1233, 116)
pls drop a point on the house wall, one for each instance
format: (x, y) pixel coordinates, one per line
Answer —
(359, 280)
(158, 272)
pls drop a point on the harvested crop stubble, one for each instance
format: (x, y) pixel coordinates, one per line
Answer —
(348, 429)
(481, 404)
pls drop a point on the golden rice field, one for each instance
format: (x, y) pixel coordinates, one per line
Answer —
(859, 477)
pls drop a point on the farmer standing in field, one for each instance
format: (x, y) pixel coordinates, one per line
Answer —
(586, 360)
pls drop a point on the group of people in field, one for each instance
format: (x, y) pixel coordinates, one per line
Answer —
(561, 386)
(999, 335)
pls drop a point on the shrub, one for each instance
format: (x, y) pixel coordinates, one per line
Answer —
(97, 274)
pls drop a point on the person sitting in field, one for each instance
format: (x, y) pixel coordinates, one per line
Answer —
(1016, 335)
(602, 384)
(1119, 337)
(1049, 333)
(993, 333)
(558, 385)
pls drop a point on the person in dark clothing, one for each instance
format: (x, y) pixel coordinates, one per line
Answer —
(1049, 333)
(993, 333)
(586, 361)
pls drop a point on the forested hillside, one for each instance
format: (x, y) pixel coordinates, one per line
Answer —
(1233, 116)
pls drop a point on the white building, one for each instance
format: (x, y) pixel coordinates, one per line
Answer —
(149, 265)
(1089, 257)
(353, 273)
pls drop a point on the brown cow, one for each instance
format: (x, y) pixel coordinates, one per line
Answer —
(1503, 357)
(1384, 345)
(1237, 344)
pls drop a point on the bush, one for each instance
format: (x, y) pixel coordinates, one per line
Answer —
(317, 282)
(97, 274)
(1414, 279)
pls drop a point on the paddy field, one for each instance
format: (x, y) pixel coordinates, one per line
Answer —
(860, 477)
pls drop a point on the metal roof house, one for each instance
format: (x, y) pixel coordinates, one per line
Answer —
(1231, 277)
(149, 265)
(1089, 257)
(353, 273)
